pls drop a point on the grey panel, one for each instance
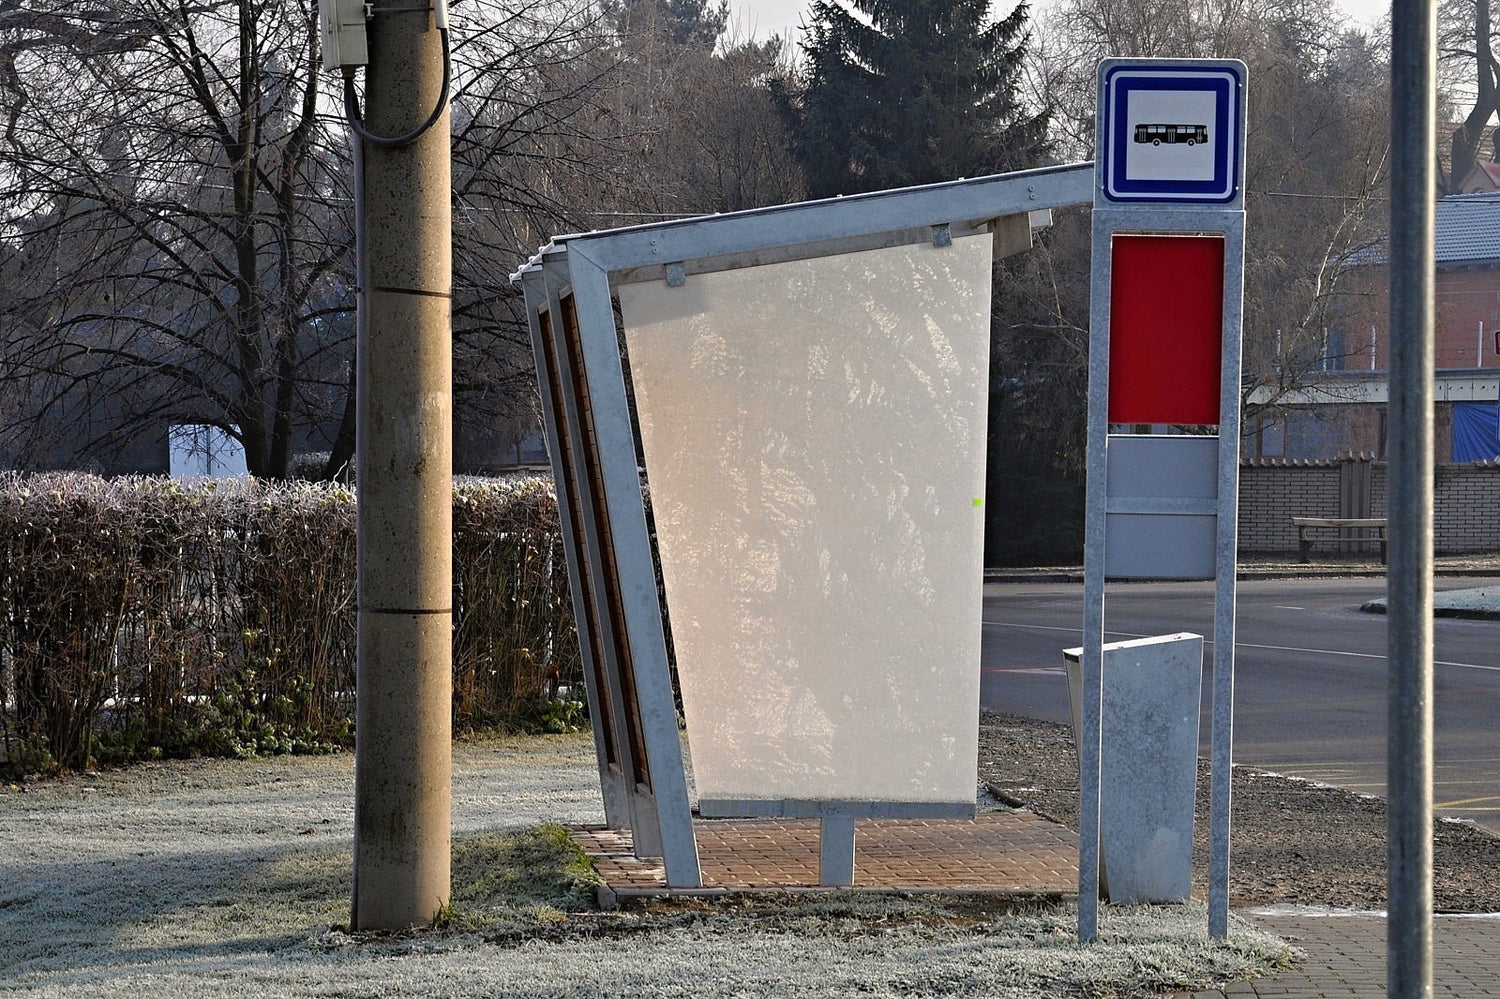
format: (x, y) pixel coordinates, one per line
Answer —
(1159, 546)
(1163, 465)
(1161, 506)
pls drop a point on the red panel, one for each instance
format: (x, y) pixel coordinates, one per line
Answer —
(1166, 329)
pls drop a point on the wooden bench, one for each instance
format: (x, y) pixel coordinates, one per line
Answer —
(1306, 524)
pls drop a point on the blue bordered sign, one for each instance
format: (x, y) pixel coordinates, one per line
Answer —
(1171, 132)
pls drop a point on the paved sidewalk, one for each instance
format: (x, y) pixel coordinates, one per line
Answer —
(1346, 956)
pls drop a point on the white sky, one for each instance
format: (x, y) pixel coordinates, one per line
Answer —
(773, 17)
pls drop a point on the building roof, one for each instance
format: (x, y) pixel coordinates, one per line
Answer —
(1481, 177)
(1467, 233)
(1468, 229)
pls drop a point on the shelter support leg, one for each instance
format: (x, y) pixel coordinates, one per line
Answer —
(836, 851)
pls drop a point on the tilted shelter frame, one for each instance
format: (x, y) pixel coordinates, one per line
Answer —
(591, 437)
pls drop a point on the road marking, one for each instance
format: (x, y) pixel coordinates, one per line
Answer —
(1287, 607)
(1070, 631)
(1250, 645)
(1334, 779)
(1466, 801)
(1354, 655)
(1368, 763)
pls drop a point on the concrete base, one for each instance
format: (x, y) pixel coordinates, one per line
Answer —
(1149, 768)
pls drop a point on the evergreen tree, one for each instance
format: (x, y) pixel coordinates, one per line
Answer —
(903, 92)
(694, 24)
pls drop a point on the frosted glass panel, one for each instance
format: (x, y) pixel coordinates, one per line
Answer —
(814, 435)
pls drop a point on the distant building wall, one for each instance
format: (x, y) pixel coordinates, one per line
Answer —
(1466, 301)
(1314, 433)
(1466, 503)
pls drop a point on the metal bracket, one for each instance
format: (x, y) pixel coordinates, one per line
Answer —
(676, 275)
(942, 235)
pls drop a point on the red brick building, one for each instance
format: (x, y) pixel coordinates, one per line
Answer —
(1343, 411)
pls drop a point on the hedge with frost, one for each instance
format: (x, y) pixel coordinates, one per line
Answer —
(147, 617)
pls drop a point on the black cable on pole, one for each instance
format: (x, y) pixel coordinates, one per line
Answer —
(357, 121)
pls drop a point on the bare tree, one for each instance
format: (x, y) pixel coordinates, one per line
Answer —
(181, 240)
(1471, 77)
(1315, 154)
(583, 116)
(696, 116)
(177, 221)
(724, 146)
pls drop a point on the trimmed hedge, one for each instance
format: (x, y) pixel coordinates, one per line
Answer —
(146, 617)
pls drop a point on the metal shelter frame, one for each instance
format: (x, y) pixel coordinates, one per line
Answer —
(591, 437)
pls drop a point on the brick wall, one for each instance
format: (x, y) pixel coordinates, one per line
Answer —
(1271, 494)
(1464, 300)
(1466, 508)
(1466, 503)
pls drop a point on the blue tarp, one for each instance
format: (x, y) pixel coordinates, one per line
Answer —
(1476, 431)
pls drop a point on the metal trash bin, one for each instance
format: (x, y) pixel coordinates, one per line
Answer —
(1149, 764)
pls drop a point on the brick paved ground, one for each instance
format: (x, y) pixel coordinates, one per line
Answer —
(1005, 851)
(1346, 958)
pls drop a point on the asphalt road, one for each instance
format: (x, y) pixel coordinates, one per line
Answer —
(1310, 678)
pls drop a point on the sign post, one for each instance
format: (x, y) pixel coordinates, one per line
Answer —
(1164, 352)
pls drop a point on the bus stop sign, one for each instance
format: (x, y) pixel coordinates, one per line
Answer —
(1172, 133)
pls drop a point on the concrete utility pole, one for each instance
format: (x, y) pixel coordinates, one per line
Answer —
(403, 767)
(1409, 577)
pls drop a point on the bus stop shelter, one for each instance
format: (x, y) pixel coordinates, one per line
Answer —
(767, 432)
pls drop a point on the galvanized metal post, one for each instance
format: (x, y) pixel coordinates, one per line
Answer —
(1409, 576)
(836, 851)
(1091, 665)
(1225, 574)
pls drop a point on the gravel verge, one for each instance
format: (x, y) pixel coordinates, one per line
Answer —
(1292, 842)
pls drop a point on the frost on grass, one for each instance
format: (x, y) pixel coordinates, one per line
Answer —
(205, 882)
(522, 924)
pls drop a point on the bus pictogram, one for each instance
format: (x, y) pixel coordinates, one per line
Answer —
(1157, 134)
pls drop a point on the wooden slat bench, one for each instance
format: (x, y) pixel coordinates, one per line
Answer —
(1307, 524)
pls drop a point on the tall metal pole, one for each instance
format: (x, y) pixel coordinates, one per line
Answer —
(1226, 563)
(1091, 666)
(403, 764)
(1409, 577)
